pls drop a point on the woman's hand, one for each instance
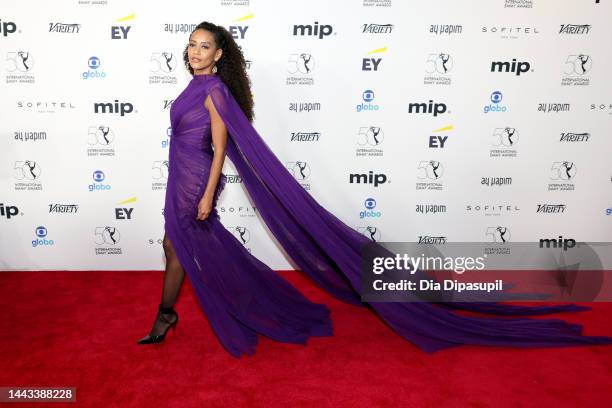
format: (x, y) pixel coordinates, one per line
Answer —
(204, 207)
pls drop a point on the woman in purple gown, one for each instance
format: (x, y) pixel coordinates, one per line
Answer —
(241, 296)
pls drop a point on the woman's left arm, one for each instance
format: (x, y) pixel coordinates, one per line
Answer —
(219, 140)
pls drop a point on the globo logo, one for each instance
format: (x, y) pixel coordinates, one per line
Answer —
(98, 177)
(41, 237)
(369, 212)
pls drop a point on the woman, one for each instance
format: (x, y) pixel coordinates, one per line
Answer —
(242, 296)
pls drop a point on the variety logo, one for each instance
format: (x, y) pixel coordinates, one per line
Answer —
(305, 136)
(64, 28)
(372, 28)
(575, 137)
(577, 29)
(551, 208)
(427, 239)
(63, 208)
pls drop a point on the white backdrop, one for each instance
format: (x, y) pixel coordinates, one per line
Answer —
(514, 145)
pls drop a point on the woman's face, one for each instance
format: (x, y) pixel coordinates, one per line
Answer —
(202, 52)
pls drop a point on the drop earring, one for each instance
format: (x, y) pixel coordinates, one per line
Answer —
(214, 69)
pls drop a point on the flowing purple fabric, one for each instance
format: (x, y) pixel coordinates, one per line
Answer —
(242, 297)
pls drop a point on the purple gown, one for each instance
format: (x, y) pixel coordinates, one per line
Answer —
(242, 297)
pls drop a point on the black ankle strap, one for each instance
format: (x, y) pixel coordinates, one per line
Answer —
(166, 310)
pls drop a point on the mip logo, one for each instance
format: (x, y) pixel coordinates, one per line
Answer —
(496, 106)
(370, 205)
(98, 178)
(368, 97)
(108, 107)
(513, 66)
(7, 27)
(41, 237)
(8, 211)
(94, 69)
(368, 178)
(313, 30)
(431, 107)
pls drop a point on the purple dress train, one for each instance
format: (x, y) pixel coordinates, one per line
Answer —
(242, 297)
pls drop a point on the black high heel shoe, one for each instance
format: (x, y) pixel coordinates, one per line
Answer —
(161, 316)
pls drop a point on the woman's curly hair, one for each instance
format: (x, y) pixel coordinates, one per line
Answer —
(231, 67)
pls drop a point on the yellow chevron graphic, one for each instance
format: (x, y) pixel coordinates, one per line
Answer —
(383, 49)
(126, 18)
(129, 200)
(444, 129)
(247, 17)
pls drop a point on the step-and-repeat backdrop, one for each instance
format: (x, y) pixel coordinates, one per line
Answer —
(428, 121)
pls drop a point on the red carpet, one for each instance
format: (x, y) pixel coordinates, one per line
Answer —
(79, 329)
